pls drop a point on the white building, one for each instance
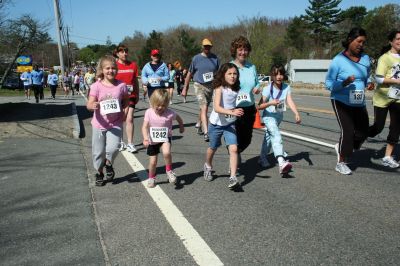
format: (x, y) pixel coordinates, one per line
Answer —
(307, 70)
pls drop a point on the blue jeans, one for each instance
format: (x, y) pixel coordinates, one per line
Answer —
(273, 137)
(215, 133)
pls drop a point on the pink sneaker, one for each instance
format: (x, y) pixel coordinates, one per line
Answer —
(285, 167)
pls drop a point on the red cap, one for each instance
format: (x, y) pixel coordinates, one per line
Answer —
(155, 52)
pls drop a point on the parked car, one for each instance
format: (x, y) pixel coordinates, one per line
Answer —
(13, 82)
(264, 81)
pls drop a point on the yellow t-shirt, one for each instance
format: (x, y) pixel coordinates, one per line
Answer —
(388, 67)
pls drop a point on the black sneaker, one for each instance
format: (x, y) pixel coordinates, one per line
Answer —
(99, 179)
(109, 172)
(206, 137)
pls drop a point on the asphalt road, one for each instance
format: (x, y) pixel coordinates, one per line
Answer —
(314, 217)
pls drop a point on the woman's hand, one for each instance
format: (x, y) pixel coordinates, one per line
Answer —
(238, 112)
(349, 80)
(370, 86)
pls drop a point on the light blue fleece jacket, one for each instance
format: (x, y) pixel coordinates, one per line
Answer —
(340, 69)
(162, 72)
(248, 81)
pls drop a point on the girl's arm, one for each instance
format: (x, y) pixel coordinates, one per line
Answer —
(218, 108)
(265, 103)
(145, 133)
(125, 101)
(180, 121)
(293, 107)
(144, 75)
(92, 104)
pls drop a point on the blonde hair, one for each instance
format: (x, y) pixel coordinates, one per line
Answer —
(100, 65)
(159, 97)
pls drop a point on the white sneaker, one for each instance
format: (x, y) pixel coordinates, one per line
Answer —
(131, 148)
(343, 168)
(232, 182)
(151, 182)
(171, 177)
(122, 146)
(390, 162)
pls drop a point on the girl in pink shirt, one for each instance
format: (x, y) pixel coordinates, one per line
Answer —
(107, 99)
(157, 132)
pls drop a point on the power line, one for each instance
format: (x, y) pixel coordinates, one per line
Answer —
(87, 38)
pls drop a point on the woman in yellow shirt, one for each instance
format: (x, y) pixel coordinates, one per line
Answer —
(387, 96)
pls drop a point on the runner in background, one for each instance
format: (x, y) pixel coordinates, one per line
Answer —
(128, 73)
(171, 81)
(348, 77)
(387, 96)
(52, 80)
(89, 79)
(155, 74)
(37, 82)
(203, 68)
(26, 77)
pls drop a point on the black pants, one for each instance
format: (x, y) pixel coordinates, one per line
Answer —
(379, 122)
(244, 127)
(179, 87)
(354, 123)
(38, 91)
(53, 89)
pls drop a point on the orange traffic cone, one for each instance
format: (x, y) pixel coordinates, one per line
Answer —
(257, 121)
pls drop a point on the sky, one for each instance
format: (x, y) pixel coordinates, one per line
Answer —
(92, 21)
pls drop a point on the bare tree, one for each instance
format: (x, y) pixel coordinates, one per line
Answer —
(19, 35)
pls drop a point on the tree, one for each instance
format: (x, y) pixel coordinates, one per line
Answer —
(353, 16)
(378, 23)
(20, 35)
(320, 16)
(154, 41)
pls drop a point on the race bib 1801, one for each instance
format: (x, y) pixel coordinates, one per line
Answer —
(159, 134)
(207, 77)
(356, 97)
(109, 106)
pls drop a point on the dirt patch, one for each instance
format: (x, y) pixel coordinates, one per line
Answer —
(29, 120)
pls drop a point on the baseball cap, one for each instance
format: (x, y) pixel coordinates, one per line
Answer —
(155, 52)
(206, 42)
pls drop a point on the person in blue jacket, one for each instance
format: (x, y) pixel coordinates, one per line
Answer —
(348, 77)
(52, 80)
(155, 74)
(37, 82)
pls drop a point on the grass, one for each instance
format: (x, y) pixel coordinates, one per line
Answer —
(8, 92)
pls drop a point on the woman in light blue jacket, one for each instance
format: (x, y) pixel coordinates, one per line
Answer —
(155, 74)
(347, 79)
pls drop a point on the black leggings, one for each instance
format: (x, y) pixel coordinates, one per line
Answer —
(380, 119)
(354, 123)
(244, 127)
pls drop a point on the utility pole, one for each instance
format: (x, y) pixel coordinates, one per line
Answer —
(58, 28)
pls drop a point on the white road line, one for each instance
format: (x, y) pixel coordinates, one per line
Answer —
(291, 135)
(196, 246)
